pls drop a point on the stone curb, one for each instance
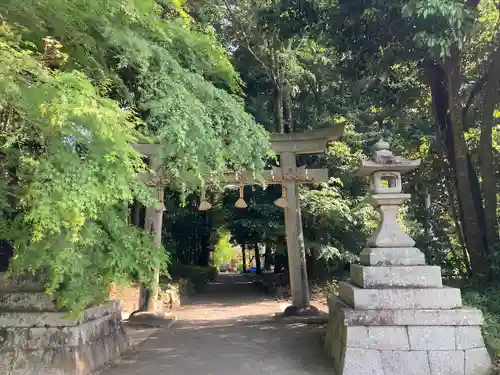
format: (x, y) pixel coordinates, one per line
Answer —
(54, 318)
(322, 318)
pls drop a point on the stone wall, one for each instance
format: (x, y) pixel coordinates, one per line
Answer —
(36, 338)
(47, 343)
(406, 342)
(129, 297)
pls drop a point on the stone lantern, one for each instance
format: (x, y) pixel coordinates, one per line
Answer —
(395, 317)
(385, 172)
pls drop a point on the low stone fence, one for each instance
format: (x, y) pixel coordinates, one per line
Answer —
(129, 297)
(38, 338)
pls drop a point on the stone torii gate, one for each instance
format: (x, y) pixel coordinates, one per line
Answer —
(287, 146)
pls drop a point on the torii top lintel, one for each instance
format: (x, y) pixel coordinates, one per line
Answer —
(298, 143)
(307, 142)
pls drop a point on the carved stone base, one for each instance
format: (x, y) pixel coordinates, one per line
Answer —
(405, 342)
(300, 311)
(47, 343)
(36, 338)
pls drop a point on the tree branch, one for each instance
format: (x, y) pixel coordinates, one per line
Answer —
(476, 89)
(246, 39)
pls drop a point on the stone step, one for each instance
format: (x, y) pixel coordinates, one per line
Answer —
(405, 342)
(392, 256)
(28, 283)
(16, 338)
(30, 319)
(64, 350)
(400, 298)
(449, 317)
(396, 276)
(26, 301)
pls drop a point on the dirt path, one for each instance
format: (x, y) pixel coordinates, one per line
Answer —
(229, 329)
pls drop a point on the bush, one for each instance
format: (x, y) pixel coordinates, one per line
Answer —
(199, 276)
(186, 287)
(488, 301)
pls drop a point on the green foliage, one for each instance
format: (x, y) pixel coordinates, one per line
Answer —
(160, 68)
(198, 276)
(487, 299)
(69, 169)
(441, 24)
(80, 82)
(224, 250)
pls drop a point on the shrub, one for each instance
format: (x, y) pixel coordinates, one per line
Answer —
(488, 301)
(199, 276)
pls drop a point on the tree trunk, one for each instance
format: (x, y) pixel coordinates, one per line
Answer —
(244, 258)
(472, 230)
(6, 253)
(278, 109)
(258, 267)
(153, 293)
(287, 110)
(268, 254)
(144, 293)
(136, 214)
(450, 188)
(280, 258)
(444, 82)
(486, 150)
(204, 240)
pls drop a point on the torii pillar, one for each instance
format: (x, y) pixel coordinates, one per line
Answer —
(288, 146)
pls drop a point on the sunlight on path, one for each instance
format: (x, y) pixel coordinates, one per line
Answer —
(229, 329)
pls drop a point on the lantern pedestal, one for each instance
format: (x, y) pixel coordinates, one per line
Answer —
(396, 317)
(406, 341)
(400, 320)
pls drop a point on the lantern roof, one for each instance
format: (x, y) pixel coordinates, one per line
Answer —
(382, 159)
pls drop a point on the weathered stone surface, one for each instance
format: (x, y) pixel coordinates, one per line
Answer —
(447, 362)
(81, 360)
(25, 319)
(35, 319)
(338, 349)
(362, 362)
(477, 362)
(432, 338)
(396, 276)
(14, 338)
(369, 330)
(405, 363)
(389, 256)
(31, 301)
(27, 283)
(75, 349)
(469, 338)
(378, 338)
(396, 302)
(101, 310)
(424, 298)
(454, 317)
(389, 233)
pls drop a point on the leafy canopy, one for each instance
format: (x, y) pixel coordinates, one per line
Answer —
(80, 82)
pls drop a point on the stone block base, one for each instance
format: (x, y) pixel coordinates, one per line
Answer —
(400, 298)
(46, 343)
(403, 342)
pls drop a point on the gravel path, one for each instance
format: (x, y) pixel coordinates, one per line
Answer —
(229, 330)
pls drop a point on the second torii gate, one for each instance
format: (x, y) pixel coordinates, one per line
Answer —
(287, 146)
